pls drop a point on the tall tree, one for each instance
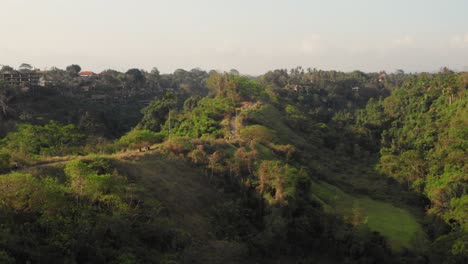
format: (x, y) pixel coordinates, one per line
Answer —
(25, 67)
(73, 69)
(6, 69)
(156, 114)
(135, 77)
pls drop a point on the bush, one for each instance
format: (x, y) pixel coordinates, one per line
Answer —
(258, 133)
(136, 137)
(280, 182)
(51, 139)
(178, 145)
(20, 193)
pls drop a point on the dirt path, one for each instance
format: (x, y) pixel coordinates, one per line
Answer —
(234, 121)
(232, 127)
(58, 161)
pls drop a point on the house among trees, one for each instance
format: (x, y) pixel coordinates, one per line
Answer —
(25, 79)
(87, 74)
(382, 77)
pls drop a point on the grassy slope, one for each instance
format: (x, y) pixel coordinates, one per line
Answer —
(180, 187)
(398, 225)
(188, 197)
(188, 194)
(185, 193)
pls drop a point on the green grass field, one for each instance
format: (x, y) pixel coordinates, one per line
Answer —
(398, 225)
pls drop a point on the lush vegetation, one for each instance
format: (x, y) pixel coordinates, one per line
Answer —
(302, 166)
(88, 212)
(424, 128)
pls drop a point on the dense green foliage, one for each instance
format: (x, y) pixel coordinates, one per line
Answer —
(424, 127)
(87, 213)
(203, 120)
(157, 113)
(50, 139)
(304, 166)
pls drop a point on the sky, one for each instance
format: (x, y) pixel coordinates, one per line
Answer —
(252, 36)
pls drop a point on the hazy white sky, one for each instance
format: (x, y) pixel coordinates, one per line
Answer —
(252, 36)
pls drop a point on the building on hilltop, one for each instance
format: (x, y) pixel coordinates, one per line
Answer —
(24, 79)
(382, 77)
(86, 74)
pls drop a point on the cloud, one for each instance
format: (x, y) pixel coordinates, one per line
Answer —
(460, 40)
(313, 44)
(404, 41)
(227, 47)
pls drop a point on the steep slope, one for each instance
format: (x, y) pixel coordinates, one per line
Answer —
(245, 175)
(189, 199)
(174, 200)
(424, 142)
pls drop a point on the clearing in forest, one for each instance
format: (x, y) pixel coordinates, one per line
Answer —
(398, 225)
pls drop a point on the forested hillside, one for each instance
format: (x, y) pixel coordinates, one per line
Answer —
(299, 166)
(424, 136)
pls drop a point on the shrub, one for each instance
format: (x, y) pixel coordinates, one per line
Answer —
(258, 133)
(138, 136)
(51, 139)
(280, 182)
(178, 145)
(20, 193)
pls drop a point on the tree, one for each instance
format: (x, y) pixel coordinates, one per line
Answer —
(156, 114)
(58, 78)
(153, 78)
(234, 72)
(155, 72)
(135, 77)
(224, 85)
(50, 139)
(24, 67)
(279, 182)
(215, 163)
(7, 69)
(258, 133)
(73, 69)
(191, 103)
